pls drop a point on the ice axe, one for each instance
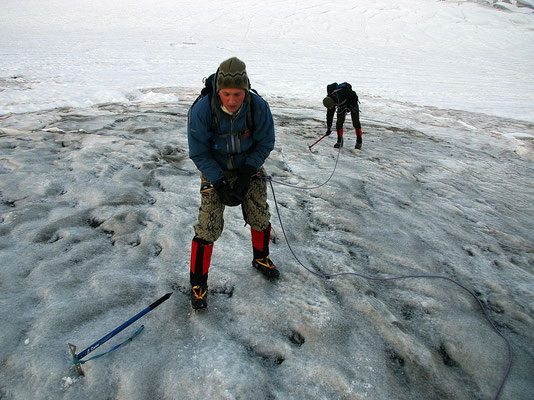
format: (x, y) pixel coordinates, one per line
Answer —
(317, 141)
(77, 358)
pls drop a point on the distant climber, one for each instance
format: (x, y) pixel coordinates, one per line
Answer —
(342, 98)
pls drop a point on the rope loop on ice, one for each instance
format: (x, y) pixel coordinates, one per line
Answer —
(326, 276)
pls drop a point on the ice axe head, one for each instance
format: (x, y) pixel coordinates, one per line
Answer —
(77, 365)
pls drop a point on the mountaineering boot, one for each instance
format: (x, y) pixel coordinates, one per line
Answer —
(266, 267)
(358, 138)
(199, 296)
(200, 263)
(260, 247)
(339, 139)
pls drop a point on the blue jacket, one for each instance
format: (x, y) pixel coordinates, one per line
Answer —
(232, 145)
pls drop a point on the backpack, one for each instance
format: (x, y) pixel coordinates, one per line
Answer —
(208, 90)
(334, 88)
(337, 86)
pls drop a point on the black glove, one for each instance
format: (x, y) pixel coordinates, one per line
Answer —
(244, 175)
(328, 131)
(226, 193)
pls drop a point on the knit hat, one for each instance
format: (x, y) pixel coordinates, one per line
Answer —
(232, 74)
(329, 102)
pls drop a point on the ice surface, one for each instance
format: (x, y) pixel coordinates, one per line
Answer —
(98, 198)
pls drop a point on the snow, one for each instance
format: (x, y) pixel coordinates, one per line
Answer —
(98, 199)
(59, 53)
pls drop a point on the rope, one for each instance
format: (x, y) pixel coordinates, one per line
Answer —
(306, 188)
(325, 276)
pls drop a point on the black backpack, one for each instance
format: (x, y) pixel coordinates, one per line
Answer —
(334, 88)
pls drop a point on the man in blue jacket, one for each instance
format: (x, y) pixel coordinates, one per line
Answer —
(230, 134)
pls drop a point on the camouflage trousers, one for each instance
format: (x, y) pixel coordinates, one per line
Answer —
(211, 213)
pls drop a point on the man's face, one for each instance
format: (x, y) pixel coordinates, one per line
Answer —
(232, 99)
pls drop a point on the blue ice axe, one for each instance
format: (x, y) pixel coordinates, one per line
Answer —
(77, 358)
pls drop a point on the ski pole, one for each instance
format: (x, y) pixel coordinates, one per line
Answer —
(77, 357)
(317, 141)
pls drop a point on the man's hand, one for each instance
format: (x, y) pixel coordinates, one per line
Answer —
(226, 193)
(242, 184)
(328, 131)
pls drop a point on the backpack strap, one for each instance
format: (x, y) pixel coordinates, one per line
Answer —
(250, 112)
(234, 138)
(214, 120)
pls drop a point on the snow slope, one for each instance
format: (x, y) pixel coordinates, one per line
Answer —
(448, 54)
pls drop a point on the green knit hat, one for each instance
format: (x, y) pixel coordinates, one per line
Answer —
(329, 102)
(232, 74)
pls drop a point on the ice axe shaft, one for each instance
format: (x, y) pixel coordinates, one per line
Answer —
(317, 141)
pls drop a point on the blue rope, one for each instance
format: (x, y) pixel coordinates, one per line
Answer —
(76, 361)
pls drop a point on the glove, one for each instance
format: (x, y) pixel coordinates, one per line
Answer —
(328, 131)
(242, 184)
(226, 193)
